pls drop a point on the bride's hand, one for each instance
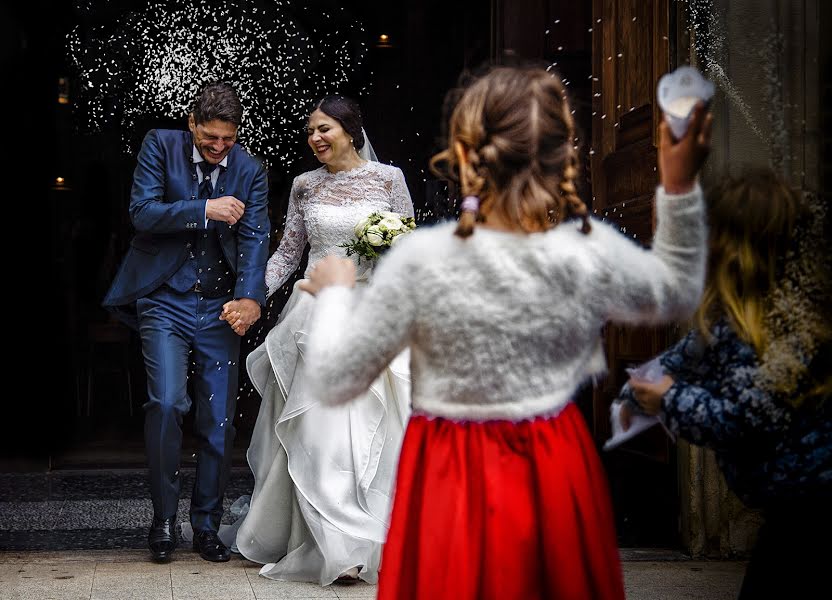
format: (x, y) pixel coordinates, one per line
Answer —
(329, 271)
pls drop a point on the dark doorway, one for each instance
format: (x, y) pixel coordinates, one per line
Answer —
(87, 369)
(88, 366)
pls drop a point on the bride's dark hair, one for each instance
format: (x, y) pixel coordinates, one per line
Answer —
(347, 112)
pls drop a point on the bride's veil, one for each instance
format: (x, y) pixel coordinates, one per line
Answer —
(367, 152)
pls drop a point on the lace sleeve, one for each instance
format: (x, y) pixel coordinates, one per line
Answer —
(286, 259)
(400, 201)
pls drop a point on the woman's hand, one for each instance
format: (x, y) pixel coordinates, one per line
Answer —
(680, 161)
(625, 415)
(649, 395)
(329, 271)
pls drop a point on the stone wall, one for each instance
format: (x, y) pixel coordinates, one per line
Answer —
(764, 57)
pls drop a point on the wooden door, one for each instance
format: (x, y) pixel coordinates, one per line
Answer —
(630, 51)
(612, 53)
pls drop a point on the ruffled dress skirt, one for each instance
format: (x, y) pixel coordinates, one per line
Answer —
(497, 510)
(324, 476)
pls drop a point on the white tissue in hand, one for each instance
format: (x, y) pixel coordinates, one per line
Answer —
(678, 92)
(651, 371)
(638, 424)
(681, 107)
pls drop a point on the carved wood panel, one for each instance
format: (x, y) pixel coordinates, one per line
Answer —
(630, 53)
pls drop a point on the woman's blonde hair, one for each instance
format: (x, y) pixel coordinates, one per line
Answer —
(752, 220)
(516, 127)
(769, 274)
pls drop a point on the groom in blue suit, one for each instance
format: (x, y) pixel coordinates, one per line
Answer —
(199, 207)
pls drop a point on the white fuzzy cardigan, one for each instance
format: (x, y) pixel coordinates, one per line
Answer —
(504, 325)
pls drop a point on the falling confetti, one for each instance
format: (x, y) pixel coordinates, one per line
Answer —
(280, 57)
(710, 42)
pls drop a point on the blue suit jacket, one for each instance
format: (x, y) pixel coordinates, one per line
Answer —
(167, 215)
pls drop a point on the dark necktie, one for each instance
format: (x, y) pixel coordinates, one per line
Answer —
(206, 188)
(216, 279)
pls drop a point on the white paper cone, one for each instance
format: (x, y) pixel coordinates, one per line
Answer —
(677, 94)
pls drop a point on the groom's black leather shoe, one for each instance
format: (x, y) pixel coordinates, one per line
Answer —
(162, 539)
(210, 547)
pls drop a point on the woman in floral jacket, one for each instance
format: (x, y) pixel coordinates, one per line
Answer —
(752, 381)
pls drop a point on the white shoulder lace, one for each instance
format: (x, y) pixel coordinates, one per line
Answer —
(324, 208)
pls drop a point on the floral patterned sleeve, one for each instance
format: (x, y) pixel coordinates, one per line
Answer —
(400, 201)
(715, 399)
(288, 255)
(702, 418)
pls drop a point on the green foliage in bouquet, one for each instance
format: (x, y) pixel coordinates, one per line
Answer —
(377, 233)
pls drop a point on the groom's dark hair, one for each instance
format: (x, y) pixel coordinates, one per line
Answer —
(218, 101)
(347, 112)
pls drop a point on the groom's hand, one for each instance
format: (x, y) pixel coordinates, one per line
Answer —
(227, 209)
(241, 314)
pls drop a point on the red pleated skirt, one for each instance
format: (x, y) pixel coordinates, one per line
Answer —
(501, 510)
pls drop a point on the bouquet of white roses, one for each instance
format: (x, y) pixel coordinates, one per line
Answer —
(377, 233)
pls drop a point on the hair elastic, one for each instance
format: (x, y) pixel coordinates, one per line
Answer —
(470, 204)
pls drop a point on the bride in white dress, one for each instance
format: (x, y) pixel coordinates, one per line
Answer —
(323, 475)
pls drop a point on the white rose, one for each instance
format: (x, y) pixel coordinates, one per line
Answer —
(391, 223)
(374, 236)
(361, 226)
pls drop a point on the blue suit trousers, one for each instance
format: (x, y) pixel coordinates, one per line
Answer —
(181, 331)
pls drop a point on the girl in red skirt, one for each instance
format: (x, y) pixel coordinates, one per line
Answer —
(500, 493)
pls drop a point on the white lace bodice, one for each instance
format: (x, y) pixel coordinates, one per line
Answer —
(324, 208)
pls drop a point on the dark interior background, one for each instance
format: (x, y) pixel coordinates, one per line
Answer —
(75, 377)
(84, 371)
